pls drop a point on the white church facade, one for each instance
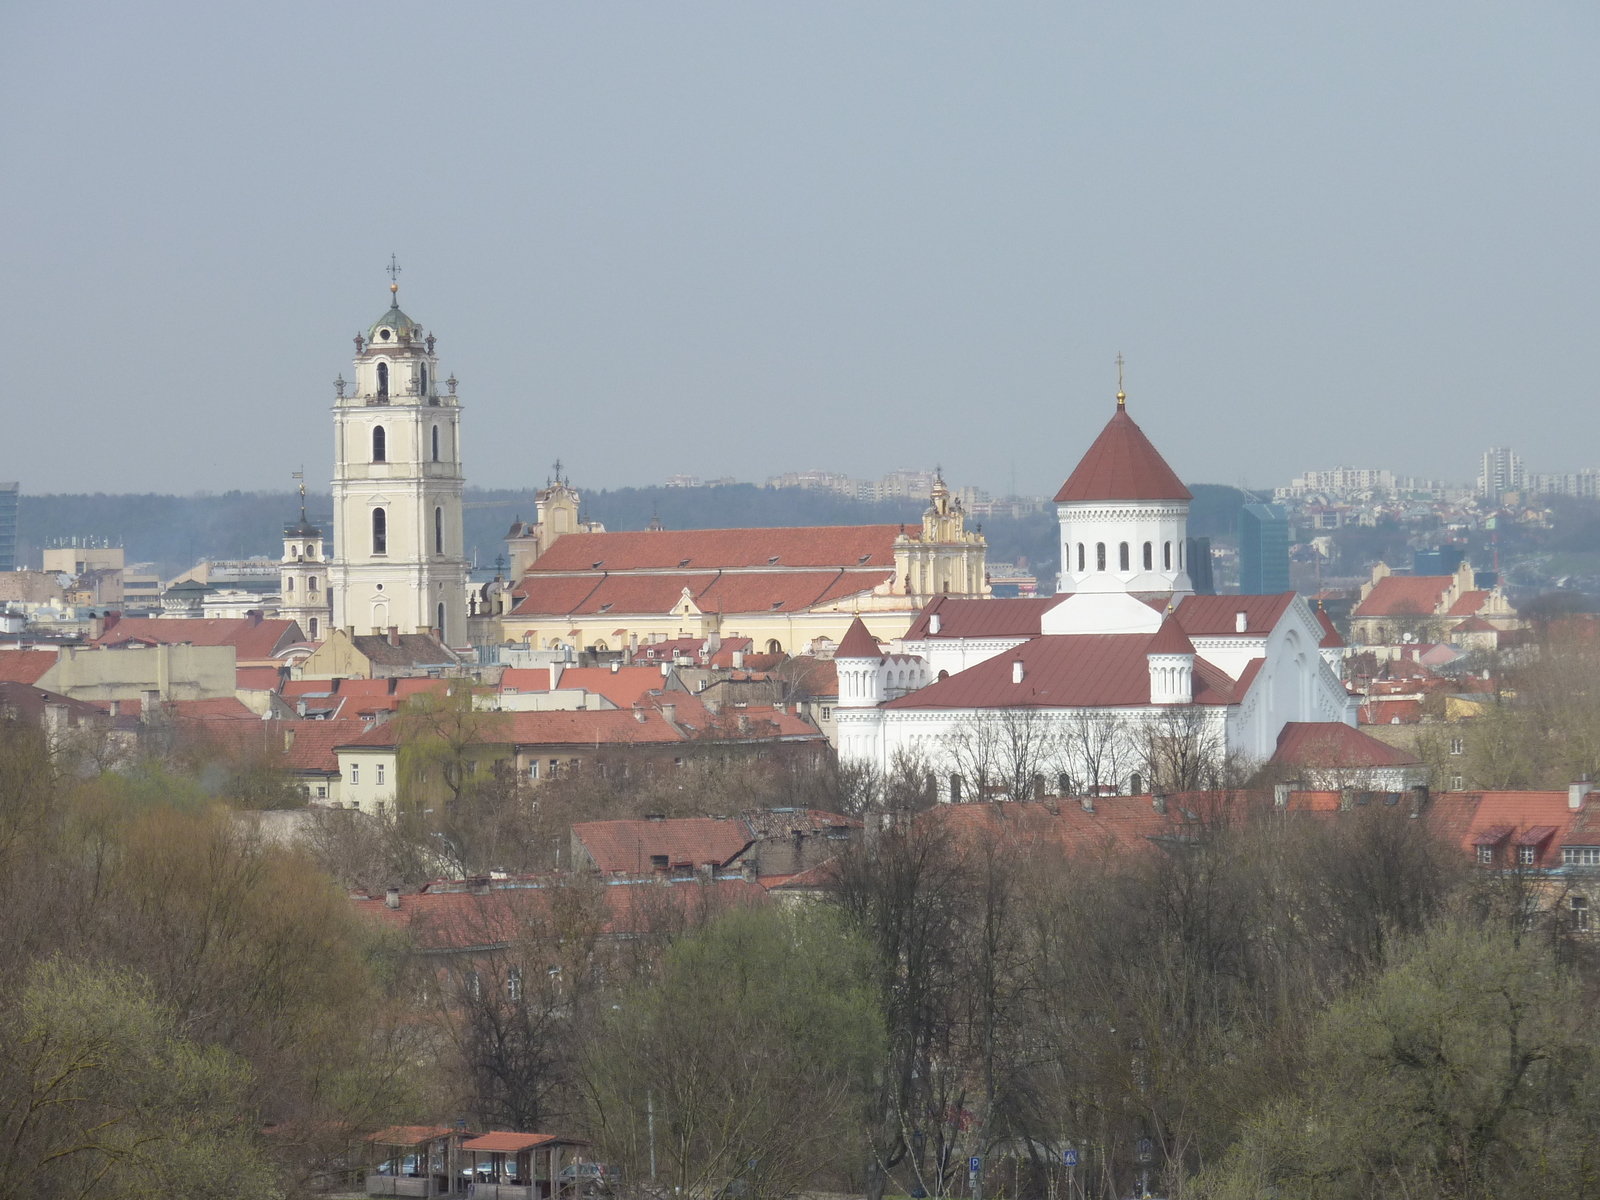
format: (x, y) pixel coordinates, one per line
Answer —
(399, 562)
(1124, 677)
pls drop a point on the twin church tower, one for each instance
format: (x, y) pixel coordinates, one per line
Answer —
(399, 556)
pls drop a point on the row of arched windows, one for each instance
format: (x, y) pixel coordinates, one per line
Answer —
(1123, 557)
(311, 584)
(380, 444)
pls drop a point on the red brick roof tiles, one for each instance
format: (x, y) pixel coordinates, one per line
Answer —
(1474, 625)
(1404, 595)
(1122, 465)
(1468, 603)
(25, 666)
(850, 546)
(1335, 744)
(252, 640)
(627, 847)
(1390, 712)
(258, 679)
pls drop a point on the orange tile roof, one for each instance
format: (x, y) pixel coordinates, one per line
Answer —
(626, 847)
(752, 592)
(1390, 712)
(1330, 634)
(410, 1135)
(25, 666)
(832, 546)
(1335, 744)
(511, 1143)
(623, 687)
(1468, 603)
(1404, 595)
(1170, 638)
(252, 640)
(1122, 465)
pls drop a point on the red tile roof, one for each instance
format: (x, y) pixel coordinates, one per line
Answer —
(858, 643)
(835, 546)
(1335, 744)
(1474, 625)
(1002, 618)
(1122, 465)
(1404, 595)
(252, 640)
(1072, 671)
(622, 687)
(1390, 712)
(258, 679)
(626, 847)
(410, 1135)
(1468, 603)
(1216, 616)
(25, 666)
(752, 592)
(222, 708)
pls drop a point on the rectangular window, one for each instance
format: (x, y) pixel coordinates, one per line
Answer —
(1486, 855)
(380, 774)
(472, 766)
(1455, 783)
(533, 769)
(1456, 747)
(514, 983)
(1579, 907)
(555, 767)
(827, 713)
(1525, 856)
(1580, 856)
(322, 791)
(355, 773)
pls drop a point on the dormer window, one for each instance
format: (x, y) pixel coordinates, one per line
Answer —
(383, 374)
(380, 445)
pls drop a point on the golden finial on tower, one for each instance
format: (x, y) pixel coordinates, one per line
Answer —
(1122, 398)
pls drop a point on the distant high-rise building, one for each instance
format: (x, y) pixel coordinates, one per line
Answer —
(1263, 550)
(1197, 553)
(8, 526)
(1501, 473)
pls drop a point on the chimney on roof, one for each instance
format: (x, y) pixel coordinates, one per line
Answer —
(300, 706)
(555, 675)
(109, 621)
(1419, 799)
(254, 616)
(738, 660)
(615, 666)
(1017, 670)
(391, 898)
(97, 628)
(1577, 791)
(638, 714)
(933, 623)
(394, 635)
(670, 712)
(666, 667)
(1241, 622)
(478, 885)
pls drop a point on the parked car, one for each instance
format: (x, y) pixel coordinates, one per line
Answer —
(591, 1177)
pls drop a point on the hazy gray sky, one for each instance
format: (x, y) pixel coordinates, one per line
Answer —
(745, 238)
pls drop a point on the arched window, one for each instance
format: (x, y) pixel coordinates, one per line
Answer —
(440, 626)
(1099, 556)
(774, 646)
(288, 584)
(313, 629)
(438, 531)
(1080, 557)
(1166, 556)
(380, 532)
(424, 374)
(1149, 559)
(1122, 556)
(311, 584)
(380, 444)
(435, 443)
(1136, 784)
(383, 379)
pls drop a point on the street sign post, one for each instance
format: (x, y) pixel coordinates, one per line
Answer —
(1069, 1158)
(974, 1170)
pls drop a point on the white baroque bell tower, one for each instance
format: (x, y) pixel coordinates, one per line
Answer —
(399, 559)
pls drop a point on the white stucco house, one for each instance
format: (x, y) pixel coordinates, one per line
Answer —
(1089, 685)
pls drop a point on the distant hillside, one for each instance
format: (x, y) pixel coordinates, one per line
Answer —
(177, 531)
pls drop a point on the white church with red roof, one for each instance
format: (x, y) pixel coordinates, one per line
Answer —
(1124, 652)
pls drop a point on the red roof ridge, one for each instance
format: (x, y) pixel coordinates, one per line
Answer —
(1122, 465)
(858, 643)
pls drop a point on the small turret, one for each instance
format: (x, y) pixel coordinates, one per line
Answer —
(1170, 655)
(859, 662)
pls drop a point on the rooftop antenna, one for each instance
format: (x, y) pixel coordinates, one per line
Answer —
(1122, 397)
(394, 269)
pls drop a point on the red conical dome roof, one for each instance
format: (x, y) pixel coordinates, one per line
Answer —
(1170, 638)
(858, 643)
(1122, 465)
